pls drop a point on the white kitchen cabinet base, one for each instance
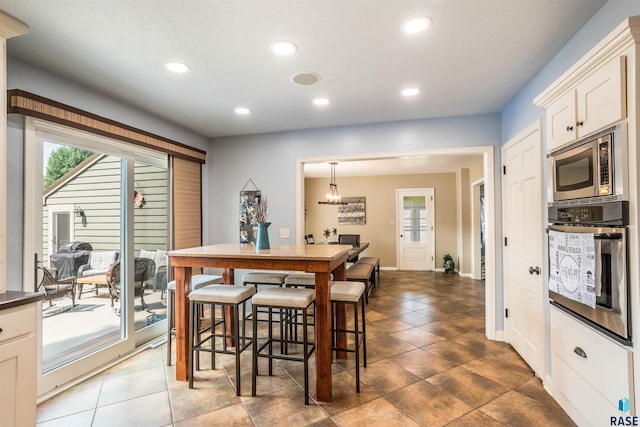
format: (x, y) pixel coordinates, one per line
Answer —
(588, 388)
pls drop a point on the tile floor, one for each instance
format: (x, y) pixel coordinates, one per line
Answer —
(429, 364)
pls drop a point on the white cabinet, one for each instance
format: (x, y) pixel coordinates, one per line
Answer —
(590, 372)
(18, 365)
(596, 102)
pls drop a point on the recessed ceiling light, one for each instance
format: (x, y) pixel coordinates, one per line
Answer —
(242, 110)
(416, 25)
(176, 67)
(410, 91)
(284, 47)
(321, 101)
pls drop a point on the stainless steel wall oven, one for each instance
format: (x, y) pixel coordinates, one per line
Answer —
(608, 223)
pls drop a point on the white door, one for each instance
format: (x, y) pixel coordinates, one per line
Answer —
(524, 235)
(60, 227)
(415, 219)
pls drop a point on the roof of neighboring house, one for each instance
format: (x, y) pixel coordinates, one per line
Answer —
(64, 179)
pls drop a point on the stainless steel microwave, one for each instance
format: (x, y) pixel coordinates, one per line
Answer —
(591, 168)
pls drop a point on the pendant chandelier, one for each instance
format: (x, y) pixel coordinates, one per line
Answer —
(333, 197)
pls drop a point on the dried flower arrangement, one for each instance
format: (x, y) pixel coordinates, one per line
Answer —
(262, 210)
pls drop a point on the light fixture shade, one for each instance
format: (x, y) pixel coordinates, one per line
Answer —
(333, 196)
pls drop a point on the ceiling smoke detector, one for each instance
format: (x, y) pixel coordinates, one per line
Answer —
(306, 78)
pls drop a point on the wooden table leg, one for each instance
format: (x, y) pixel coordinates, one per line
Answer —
(229, 278)
(323, 337)
(183, 288)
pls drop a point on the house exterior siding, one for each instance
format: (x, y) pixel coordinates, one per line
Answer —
(96, 189)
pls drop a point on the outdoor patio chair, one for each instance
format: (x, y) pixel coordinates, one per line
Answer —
(99, 263)
(145, 268)
(53, 288)
(159, 279)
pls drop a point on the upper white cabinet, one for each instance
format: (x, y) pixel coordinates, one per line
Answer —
(591, 105)
(592, 94)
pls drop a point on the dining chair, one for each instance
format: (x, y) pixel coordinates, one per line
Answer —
(349, 239)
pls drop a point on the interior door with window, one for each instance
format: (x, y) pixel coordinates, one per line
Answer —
(415, 220)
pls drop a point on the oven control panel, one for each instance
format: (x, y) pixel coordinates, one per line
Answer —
(613, 213)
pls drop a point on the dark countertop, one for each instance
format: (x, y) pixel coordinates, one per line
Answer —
(12, 299)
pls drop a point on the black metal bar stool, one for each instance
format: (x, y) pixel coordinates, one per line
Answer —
(222, 296)
(285, 300)
(344, 292)
(197, 281)
(375, 261)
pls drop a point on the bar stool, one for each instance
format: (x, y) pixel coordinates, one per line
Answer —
(224, 296)
(285, 300)
(375, 261)
(362, 273)
(256, 278)
(300, 280)
(343, 292)
(197, 281)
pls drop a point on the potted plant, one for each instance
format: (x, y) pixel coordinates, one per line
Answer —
(327, 233)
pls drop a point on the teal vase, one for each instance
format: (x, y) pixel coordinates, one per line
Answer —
(262, 242)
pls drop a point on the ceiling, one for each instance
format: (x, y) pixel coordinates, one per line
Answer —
(474, 59)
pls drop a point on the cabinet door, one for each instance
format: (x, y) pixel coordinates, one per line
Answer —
(18, 378)
(561, 118)
(601, 97)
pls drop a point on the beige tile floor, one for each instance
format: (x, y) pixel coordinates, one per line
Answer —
(429, 364)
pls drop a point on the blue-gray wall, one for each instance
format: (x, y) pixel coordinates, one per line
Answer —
(521, 112)
(270, 161)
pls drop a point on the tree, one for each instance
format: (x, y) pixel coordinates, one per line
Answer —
(61, 161)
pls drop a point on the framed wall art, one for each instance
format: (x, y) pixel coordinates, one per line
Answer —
(353, 212)
(249, 199)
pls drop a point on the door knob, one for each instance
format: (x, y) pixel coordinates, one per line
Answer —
(534, 270)
(579, 123)
(569, 128)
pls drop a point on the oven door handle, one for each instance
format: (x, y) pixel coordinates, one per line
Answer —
(608, 236)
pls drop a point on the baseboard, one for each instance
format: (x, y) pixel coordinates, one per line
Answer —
(564, 403)
(469, 275)
(389, 268)
(499, 336)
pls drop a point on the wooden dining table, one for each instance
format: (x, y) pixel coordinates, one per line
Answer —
(323, 260)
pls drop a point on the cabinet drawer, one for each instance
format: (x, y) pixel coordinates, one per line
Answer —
(587, 405)
(17, 321)
(607, 366)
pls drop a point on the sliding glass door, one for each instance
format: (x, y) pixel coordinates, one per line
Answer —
(104, 228)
